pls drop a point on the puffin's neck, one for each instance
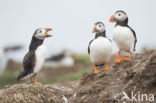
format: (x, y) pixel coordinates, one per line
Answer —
(102, 34)
(123, 23)
(35, 43)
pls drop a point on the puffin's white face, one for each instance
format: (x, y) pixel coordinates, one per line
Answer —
(98, 27)
(118, 16)
(42, 33)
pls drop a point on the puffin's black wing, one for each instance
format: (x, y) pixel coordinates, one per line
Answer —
(28, 65)
(56, 57)
(134, 37)
(89, 46)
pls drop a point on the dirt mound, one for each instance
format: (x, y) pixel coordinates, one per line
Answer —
(28, 93)
(116, 86)
(131, 81)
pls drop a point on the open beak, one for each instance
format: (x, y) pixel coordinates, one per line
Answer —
(46, 33)
(94, 30)
(112, 19)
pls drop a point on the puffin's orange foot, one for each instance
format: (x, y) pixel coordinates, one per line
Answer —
(96, 71)
(38, 83)
(119, 59)
(33, 80)
(127, 58)
(106, 67)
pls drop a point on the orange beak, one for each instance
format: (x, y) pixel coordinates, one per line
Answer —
(111, 18)
(46, 33)
(48, 29)
(94, 29)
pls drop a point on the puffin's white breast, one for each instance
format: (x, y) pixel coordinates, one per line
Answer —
(124, 38)
(100, 50)
(40, 58)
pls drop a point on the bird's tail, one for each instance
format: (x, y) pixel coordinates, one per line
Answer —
(21, 74)
(19, 77)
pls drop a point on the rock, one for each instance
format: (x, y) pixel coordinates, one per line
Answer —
(28, 93)
(137, 76)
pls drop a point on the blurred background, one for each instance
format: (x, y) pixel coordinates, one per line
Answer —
(72, 22)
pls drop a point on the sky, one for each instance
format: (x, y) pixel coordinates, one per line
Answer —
(72, 21)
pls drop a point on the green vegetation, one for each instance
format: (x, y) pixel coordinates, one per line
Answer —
(8, 77)
(67, 77)
(73, 76)
(82, 58)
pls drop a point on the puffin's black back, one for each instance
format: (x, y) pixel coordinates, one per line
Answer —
(28, 65)
(30, 58)
(35, 43)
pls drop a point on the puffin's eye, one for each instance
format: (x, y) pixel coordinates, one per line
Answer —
(40, 31)
(119, 14)
(99, 25)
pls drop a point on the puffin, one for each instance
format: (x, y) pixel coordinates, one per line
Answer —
(6, 54)
(34, 59)
(63, 59)
(100, 48)
(123, 35)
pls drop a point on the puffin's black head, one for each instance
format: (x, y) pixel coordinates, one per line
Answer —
(99, 27)
(119, 16)
(42, 33)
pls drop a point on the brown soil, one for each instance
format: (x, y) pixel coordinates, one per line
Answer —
(137, 75)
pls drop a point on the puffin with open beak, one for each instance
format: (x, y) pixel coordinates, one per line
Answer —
(100, 48)
(123, 35)
(35, 57)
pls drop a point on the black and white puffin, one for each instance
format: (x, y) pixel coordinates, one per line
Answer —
(123, 35)
(34, 59)
(100, 48)
(5, 57)
(63, 59)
